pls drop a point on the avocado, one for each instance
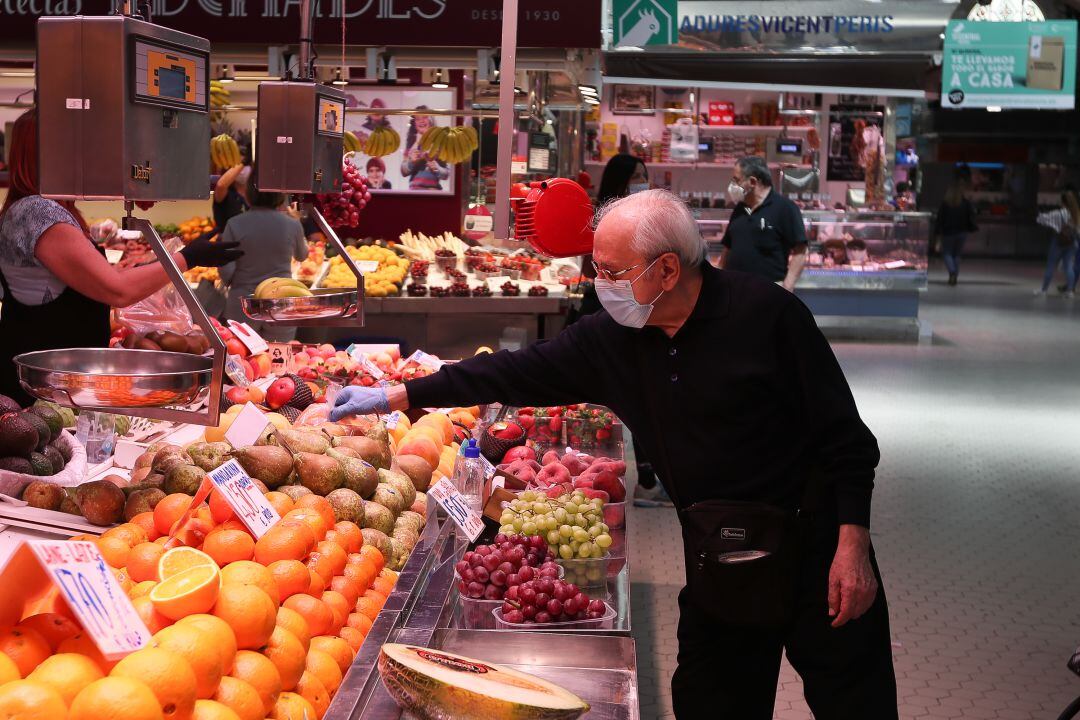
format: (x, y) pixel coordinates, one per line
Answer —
(50, 416)
(17, 464)
(55, 458)
(63, 448)
(40, 426)
(17, 436)
(8, 405)
(41, 464)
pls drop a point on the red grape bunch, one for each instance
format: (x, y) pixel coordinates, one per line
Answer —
(545, 600)
(490, 570)
(343, 209)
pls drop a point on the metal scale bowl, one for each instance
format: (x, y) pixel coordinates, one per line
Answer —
(328, 304)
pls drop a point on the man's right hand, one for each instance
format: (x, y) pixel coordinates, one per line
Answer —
(358, 400)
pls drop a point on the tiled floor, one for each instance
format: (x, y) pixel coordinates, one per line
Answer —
(975, 513)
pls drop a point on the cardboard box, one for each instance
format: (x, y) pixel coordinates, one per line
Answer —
(1046, 62)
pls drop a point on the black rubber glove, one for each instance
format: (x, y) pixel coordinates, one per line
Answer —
(203, 253)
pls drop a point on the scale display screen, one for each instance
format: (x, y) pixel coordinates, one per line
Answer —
(166, 76)
(172, 83)
(331, 117)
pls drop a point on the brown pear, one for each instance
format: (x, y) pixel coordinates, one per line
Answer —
(318, 473)
(416, 469)
(360, 477)
(268, 463)
(301, 441)
(370, 450)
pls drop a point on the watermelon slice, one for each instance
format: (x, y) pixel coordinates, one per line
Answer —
(437, 685)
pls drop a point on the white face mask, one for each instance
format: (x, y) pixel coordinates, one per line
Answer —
(736, 192)
(633, 188)
(617, 297)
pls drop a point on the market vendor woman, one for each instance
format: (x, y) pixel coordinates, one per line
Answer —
(57, 286)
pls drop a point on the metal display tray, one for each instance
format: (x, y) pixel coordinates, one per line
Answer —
(321, 305)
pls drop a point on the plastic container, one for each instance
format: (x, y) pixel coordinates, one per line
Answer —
(586, 572)
(97, 433)
(607, 622)
(477, 614)
(615, 514)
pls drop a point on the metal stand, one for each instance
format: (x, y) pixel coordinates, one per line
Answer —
(358, 318)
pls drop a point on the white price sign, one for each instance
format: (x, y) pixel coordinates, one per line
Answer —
(251, 339)
(244, 498)
(489, 469)
(93, 594)
(247, 427)
(457, 508)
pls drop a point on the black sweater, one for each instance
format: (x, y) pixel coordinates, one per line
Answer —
(739, 405)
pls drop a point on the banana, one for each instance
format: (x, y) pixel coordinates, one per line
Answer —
(382, 141)
(271, 286)
(474, 139)
(352, 143)
(427, 141)
(281, 290)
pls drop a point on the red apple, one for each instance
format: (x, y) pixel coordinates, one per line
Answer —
(237, 395)
(235, 347)
(521, 452)
(507, 431)
(280, 392)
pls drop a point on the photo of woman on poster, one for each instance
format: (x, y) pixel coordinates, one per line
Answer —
(423, 171)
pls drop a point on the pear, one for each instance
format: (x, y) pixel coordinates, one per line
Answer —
(301, 441)
(378, 433)
(377, 517)
(379, 539)
(389, 497)
(347, 505)
(402, 484)
(209, 456)
(416, 469)
(374, 452)
(295, 492)
(360, 477)
(318, 473)
(268, 463)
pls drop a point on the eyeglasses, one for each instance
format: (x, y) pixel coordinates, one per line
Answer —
(614, 274)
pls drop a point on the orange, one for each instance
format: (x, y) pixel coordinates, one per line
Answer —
(83, 644)
(124, 579)
(295, 623)
(442, 422)
(349, 536)
(26, 647)
(132, 534)
(316, 584)
(359, 621)
(241, 698)
(30, 700)
(310, 517)
(220, 509)
(422, 447)
(115, 697)
(335, 553)
(167, 675)
(53, 627)
(140, 589)
(320, 504)
(322, 565)
(154, 621)
(194, 531)
(203, 513)
(336, 648)
(246, 572)
(370, 606)
(372, 553)
(233, 524)
(186, 593)
(257, 671)
(228, 546)
(8, 669)
(348, 587)
(363, 574)
(114, 550)
(168, 511)
(318, 614)
(196, 647)
(67, 673)
(213, 710)
(142, 561)
(145, 520)
(284, 542)
(221, 634)
(290, 577)
(290, 706)
(180, 559)
(325, 668)
(311, 689)
(249, 612)
(281, 502)
(354, 637)
(338, 603)
(384, 585)
(285, 651)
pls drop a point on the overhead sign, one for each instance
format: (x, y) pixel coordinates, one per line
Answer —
(638, 23)
(1009, 65)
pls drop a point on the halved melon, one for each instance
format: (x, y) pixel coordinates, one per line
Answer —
(433, 684)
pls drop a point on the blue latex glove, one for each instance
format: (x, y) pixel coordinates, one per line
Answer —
(357, 400)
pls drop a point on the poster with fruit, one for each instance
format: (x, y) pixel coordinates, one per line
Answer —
(392, 155)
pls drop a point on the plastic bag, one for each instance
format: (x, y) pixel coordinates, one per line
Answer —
(164, 310)
(73, 474)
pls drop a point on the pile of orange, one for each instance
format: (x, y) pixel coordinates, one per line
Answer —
(433, 438)
(242, 629)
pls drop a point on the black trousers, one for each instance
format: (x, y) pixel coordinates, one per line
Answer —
(730, 672)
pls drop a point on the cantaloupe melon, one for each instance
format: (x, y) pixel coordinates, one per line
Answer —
(433, 684)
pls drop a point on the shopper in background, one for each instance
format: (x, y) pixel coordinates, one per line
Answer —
(57, 286)
(424, 171)
(623, 175)
(230, 196)
(738, 399)
(270, 239)
(955, 219)
(1064, 222)
(765, 235)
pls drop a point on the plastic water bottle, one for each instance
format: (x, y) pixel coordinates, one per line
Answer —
(469, 475)
(97, 433)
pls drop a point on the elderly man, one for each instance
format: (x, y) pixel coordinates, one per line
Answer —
(734, 393)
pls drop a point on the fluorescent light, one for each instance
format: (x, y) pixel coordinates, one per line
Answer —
(17, 73)
(993, 108)
(587, 90)
(339, 79)
(439, 84)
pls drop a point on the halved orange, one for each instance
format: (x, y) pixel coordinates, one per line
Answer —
(188, 592)
(179, 559)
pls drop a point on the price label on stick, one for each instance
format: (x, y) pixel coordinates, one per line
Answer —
(244, 498)
(251, 339)
(247, 426)
(457, 508)
(91, 590)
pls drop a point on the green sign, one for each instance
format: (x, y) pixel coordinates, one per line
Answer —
(1009, 65)
(637, 23)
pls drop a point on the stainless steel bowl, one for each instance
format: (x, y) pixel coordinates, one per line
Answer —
(325, 303)
(114, 377)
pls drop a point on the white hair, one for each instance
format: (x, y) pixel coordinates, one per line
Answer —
(663, 224)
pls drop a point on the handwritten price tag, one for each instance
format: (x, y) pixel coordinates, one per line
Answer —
(244, 498)
(489, 469)
(251, 339)
(457, 508)
(93, 594)
(392, 419)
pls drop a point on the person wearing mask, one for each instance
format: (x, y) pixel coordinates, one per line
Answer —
(623, 175)
(765, 235)
(57, 286)
(1065, 224)
(740, 362)
(955, 219)
(271, 240)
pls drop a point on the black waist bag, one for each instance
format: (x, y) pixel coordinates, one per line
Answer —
(741, 561)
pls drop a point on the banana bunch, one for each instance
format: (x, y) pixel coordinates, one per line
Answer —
(219, 95)
(450, 144)
(276, 288)
(352, 143)
(224, 152)
(382, 141)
